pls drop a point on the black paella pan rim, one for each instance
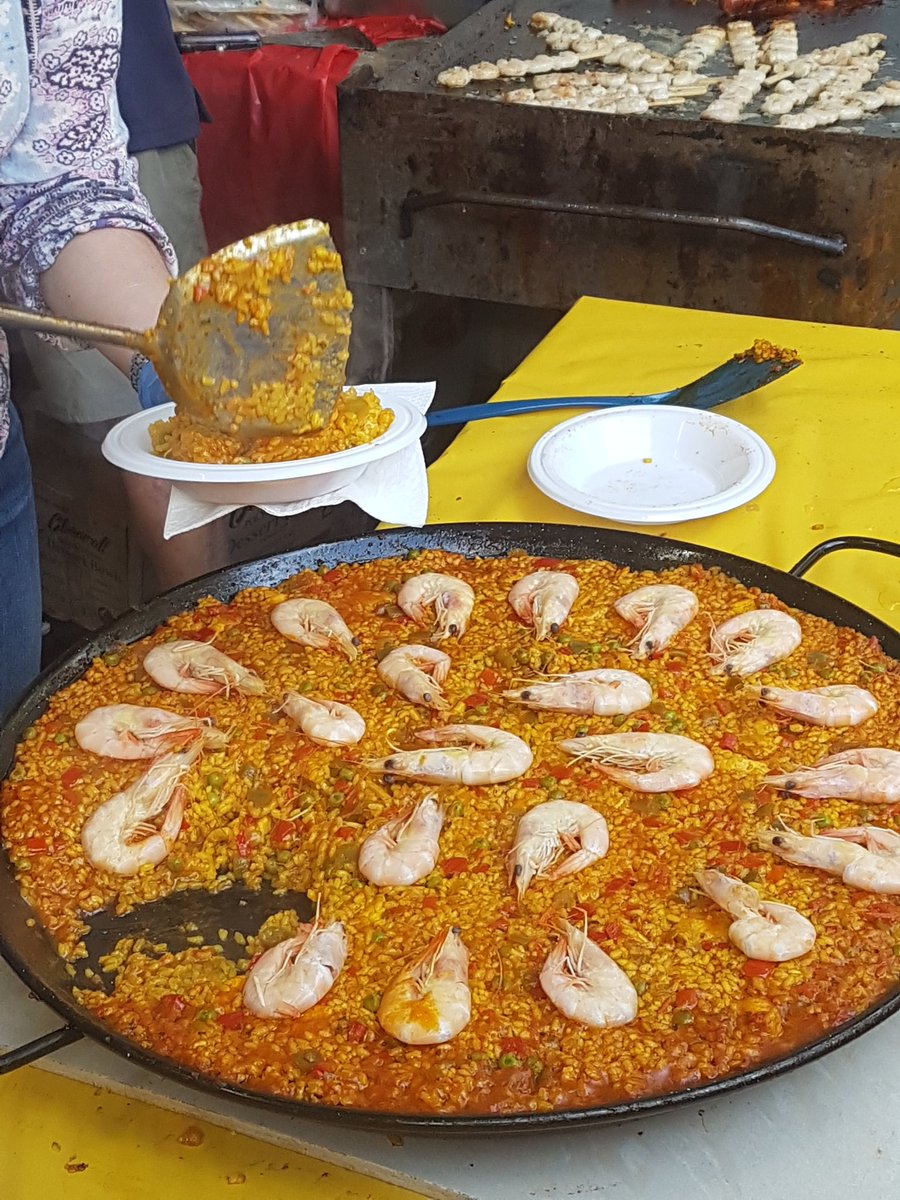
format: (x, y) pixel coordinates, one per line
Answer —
(30, 953)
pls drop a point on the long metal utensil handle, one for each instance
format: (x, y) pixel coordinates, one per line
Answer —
(19, 318)
(507, 408)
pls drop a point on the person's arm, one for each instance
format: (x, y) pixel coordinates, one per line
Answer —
(111, 265)
(112, 276)
(76, 235)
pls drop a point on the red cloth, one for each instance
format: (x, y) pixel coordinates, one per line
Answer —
(271, 154)
(381, 30)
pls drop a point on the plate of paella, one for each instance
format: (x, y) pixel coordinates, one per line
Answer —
(370, 423)
(442, 837)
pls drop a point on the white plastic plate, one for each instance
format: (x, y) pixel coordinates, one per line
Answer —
(127, 445)
(649, 465)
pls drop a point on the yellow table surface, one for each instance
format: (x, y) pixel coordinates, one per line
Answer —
(833, 426)
(62, 1140)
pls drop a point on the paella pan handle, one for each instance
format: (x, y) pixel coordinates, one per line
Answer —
(879, 545)
(416, 202)
(21, 1056)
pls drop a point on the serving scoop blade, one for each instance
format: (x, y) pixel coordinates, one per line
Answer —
(268, 311)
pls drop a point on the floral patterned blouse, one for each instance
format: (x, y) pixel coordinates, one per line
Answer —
(63, 165)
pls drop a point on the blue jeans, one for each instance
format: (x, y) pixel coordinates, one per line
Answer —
(20, 578)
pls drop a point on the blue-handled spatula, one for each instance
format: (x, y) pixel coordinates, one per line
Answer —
(744, 373)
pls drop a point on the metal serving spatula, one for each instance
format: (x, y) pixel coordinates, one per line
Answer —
(198, 343)
(177, 919)
(737, 377)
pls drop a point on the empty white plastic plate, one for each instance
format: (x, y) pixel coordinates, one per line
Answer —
(648, 465)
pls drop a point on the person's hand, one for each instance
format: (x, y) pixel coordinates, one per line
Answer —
(149, 389)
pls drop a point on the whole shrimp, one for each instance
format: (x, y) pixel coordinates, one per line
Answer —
(120, 836)
(314, 623)
(325, 721)
(646, 762)
(863, 856)
(405, 849)
(544, 599)
(453, 601)
(599, 693)
(133, 731)
(297, 973)
(548, 829)
(417, 673)
(475, 755)
(868, 775)
(753, 641)
(658, 611)
(585, 984)
(839, 704)
(761, 928)
(186, 666)
(429, 1001)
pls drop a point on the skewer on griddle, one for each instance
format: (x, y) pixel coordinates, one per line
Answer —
(565, 33)
(780, 45)
(827, 56)
(842, 99)
(700, 46)
(596, 46)
(584, 81)
(743, 43)
(789, 94)
(735, 95)
(506, 68)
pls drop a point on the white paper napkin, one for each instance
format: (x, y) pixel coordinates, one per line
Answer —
(393, 489)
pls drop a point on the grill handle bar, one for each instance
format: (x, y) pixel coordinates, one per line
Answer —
(879, 545)
(21, 1056)
(416, 202)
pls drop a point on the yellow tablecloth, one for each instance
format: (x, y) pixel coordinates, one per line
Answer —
(833, 426)
(62, 1140)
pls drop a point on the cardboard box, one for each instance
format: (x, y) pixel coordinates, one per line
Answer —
(92, 570)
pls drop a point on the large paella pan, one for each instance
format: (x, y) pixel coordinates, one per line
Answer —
(614, 886)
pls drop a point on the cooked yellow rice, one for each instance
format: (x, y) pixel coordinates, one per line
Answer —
(270, 806)
(357, 420)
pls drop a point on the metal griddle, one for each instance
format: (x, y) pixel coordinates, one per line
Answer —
(661, 25)
(537, 206)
